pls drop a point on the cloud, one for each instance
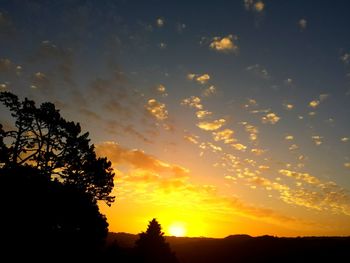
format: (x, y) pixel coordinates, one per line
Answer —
(345, 58)
(257, 6)
(160, 89)
(203, 114)
(293, 147)
(289, 137)
(203, 78)
(41, 81)
(192, 138)
(138, 159)
(225, 135)
(193, 102)
(162, 45)
(149, 179)
(211, 126)
(160, 22)
(157, 109)
(347, 165)
(210, 91)
(288, 106)
(225, 44)
(344, 139)
(302, 23)
(259, 71)
(317, 139)
(239, 147)
(271, 118)
(252, 130)
(316, 102)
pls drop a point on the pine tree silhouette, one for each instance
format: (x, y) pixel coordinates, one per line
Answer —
(152, 247)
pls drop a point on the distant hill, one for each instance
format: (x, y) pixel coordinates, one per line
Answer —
(244, 248)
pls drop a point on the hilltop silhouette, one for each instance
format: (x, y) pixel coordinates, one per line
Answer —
(244, 248)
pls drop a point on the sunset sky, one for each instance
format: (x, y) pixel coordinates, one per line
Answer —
(220, 117)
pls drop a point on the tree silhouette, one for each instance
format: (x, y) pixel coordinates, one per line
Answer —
(152, 247)
(47, 216)
(43, 139)
(50, 182)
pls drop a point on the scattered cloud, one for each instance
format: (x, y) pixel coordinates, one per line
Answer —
(288, 106)
(271, 118)
(161, 90)
(157, 109)
(160, 22)
(162, 45)
(317, 139)
(193, 102)
(203, 78)
(257, 6)
(316, 102)
(211, 126)
(345, 139)
(239, 147)
(345, 58)
(192, 138)
(302, 24)
(210, 91)
(225, 44)
(289, 137)
(347, 165)
(259, 71)
(203, 114)
(225, 135)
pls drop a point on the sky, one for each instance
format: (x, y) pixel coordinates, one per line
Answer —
(219, 117)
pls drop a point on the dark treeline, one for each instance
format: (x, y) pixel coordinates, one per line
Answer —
(243, 248)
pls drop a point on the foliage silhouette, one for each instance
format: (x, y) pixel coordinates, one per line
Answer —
(50, 182)
(152, 247)
(54, 146)
(47, 215)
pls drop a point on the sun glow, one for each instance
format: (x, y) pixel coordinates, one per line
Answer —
(177, 230)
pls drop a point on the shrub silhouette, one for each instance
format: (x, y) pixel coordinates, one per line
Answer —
(152, 247)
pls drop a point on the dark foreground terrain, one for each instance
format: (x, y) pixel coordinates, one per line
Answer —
(244, 248)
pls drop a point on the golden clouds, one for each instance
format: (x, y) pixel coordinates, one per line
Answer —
(225, 135)
(271, 118)
(138, 159)
(201, 79)
(193, 102)
(288, 106)
(157, 109)
(316, 102)
(289, 137)
(239, 147)
(347, 165)
(257, 6)
(211, 126)
(225, 44)
(203, 114)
